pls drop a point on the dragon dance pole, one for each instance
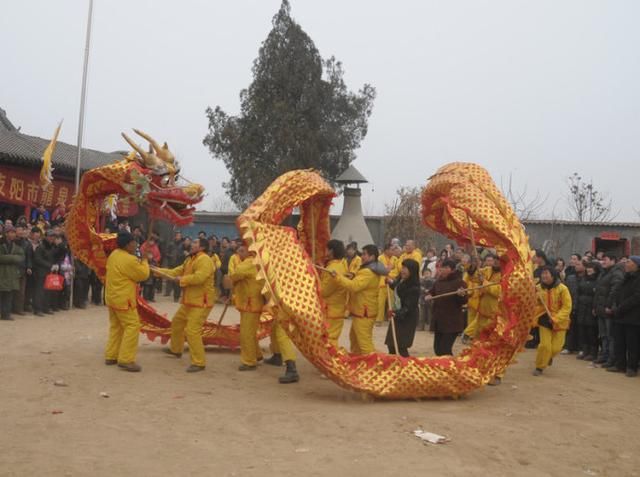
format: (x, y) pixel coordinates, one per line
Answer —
(83, 97)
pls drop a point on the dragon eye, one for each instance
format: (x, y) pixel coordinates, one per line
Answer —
(165, 180)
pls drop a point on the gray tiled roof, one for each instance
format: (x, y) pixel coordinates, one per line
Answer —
(22, 149)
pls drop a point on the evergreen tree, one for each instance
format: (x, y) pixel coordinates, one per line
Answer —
(291, 115)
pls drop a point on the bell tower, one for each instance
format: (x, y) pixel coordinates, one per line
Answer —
(351, 227)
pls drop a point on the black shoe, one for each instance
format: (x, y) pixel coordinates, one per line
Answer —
(275, 360)
(290, 375)
(495, 381)
(131, 367)
(580, 355)
(8, 318)
(19, 313)
(168, 351)
(110, 362)
(37, 313)
(551, 362)
(537, 372)
(48, 312)
(614, 369)
(194, 368)
(631, 373)
(246, 367)
(601, 360)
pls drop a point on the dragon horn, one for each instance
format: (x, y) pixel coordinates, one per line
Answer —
(144, 154)
(152, 142)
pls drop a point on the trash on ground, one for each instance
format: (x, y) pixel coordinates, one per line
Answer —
(430, 437)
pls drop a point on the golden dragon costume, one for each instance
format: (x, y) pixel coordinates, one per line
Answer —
(150, 178)
(457, 196)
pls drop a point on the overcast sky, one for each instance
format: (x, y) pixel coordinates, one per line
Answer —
(536, 89)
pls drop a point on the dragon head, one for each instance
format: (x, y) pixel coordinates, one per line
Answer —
(154, 183)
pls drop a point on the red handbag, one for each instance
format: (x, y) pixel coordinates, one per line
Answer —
(54, 282)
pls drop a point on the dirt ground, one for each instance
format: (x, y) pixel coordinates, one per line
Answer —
(575, 420)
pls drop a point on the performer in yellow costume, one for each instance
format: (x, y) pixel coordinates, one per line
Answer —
(195, 277)
(363, 299)
(124, 271)
(473, 277)
(389, 260)
(410, 253)
(353, 260)
(489, 298)
(335, 297)
(554, 318)
(248, 299)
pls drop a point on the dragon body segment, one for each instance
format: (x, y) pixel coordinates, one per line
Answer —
(458, 196)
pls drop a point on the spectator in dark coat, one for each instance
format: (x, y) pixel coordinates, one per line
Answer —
(448, 314)
(45, 258)
(407, 289)
(34, 240)
(19, 294)
(11, 264)
(626, 329)
(587, 321)
(573, 276)
(80, 284)
(609, 281)
(175, 257)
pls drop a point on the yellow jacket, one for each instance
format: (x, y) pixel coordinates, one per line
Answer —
(355, 264)
(558, 301)
(390, 264)
(490, 296)
(234, 260)
(124, 271)
(333, 294)
(363, 293)
(415, 255)
(196, 280)
(473, 281)
(217, 264)
(247, 289)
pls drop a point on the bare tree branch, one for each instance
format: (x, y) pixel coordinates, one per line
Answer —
(525, 207)
(403, 219)
(586, 203)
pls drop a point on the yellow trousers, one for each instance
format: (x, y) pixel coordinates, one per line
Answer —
(249, 348)
(482, 322)
(335, 330)
(124, 330)
(281, 344)
(551, 343)
(361, 335)
(188, 321)
(382, 304)
(472, 326)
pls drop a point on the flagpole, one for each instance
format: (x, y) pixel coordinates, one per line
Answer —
(83, 97)
(83, 94)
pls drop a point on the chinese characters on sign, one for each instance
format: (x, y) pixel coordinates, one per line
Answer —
(21, 187)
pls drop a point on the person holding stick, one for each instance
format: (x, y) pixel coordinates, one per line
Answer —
(334, 296)
(489, 297)
(389, 261)
(363, 299)
(195, 277)
(248, 299)
(405, 313)
(554, 317)
(449, 295)
(124, 272)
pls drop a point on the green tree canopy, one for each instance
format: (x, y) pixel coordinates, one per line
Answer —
(297, 113)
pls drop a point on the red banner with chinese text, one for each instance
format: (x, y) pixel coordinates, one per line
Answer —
(22, 187)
